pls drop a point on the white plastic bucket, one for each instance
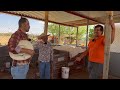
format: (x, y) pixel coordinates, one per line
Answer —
(65, 72)
(7, 64)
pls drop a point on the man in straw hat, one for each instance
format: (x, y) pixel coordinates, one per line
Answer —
(20, 68)
(45, 55)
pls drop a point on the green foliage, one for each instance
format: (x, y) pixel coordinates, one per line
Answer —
(70, 32)
(53, 29)
(91, 33)
(82, 32)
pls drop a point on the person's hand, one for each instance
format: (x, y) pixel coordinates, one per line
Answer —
(31, 52)
(28, 51)
(112, 24)
(78, 59)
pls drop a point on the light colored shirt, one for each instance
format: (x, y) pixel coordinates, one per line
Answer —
(45, 51)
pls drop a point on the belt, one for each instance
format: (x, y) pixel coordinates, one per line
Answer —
(22, 62)
(44, 61)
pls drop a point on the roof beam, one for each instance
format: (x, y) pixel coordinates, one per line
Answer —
(78, 22)
(83, 16)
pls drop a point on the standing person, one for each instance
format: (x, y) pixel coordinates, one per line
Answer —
(19, 69)
(45, 56)
(96, 51)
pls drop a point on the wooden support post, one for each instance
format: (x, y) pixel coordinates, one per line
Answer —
(59, 35)
(69, 28)
(109, 16)
(46, 22)
(55, 36)
(77, 37)
(87, 33)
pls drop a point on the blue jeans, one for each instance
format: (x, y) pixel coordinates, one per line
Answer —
(20, 71)
(95, 70)
(44, 69)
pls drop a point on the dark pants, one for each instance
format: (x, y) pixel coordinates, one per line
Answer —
(95, 70)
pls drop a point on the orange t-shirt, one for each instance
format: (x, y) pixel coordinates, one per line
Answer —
(96, 50)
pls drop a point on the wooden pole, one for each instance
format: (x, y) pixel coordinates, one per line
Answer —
(46, 22)
(87, 33)
(59, 35)
(109, 16)
(55, 37)
(77, 37)
(69, 34)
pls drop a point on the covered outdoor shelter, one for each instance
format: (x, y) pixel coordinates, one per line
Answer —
(79, 18)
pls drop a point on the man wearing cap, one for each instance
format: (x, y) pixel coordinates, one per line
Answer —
(45, 55)
(20, 68)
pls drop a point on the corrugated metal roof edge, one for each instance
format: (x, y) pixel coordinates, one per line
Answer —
(16, 14)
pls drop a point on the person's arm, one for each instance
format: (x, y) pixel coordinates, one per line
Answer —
(28, 51)
(85, 53)
(112, 32)
(12, 43)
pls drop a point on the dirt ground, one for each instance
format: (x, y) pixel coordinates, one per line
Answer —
(33, 73)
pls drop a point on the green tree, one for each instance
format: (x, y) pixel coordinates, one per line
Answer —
(53, 29)
(82, 32)
(91, 33)
(70, 32)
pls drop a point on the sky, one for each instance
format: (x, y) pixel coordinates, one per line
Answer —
(9, 23)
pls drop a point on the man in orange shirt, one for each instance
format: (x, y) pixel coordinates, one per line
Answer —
(96, 51)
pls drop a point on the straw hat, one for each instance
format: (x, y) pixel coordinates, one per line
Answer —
(22, 56)
(42, 35)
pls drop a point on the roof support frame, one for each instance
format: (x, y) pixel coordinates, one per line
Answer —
(83, 16)
(16, 14)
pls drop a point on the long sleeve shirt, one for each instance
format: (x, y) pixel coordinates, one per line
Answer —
(45, 51)
(13, 42)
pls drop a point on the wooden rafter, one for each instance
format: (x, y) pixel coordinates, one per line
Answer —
(83, 16)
